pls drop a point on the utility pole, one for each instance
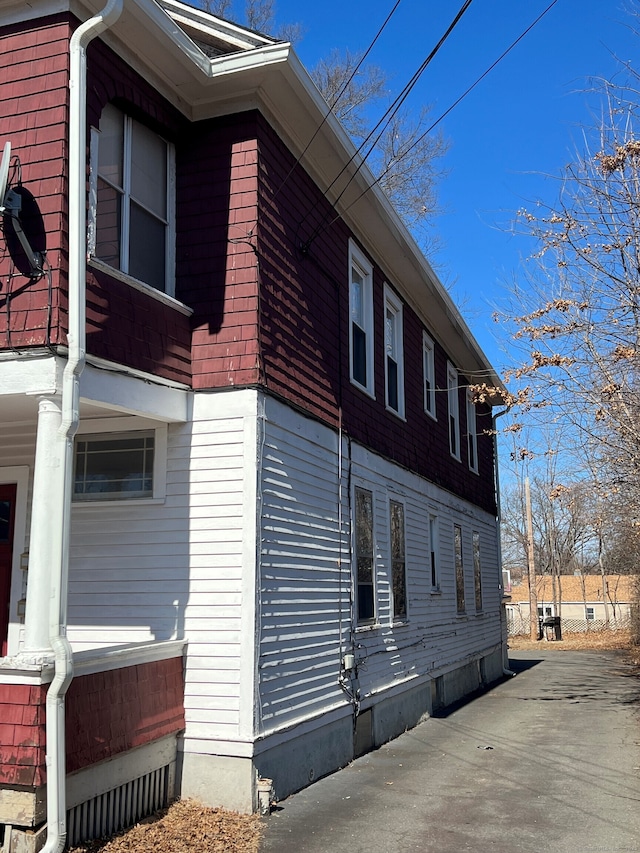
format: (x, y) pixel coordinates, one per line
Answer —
(533, 596)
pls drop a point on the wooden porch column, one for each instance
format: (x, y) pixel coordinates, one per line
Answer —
(45, 539)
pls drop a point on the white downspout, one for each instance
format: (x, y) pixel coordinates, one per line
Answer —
(76, 337)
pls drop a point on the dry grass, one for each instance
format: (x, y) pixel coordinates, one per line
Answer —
(185, 827)
(581, 642)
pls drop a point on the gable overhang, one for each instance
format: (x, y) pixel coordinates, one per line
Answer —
(262, 73)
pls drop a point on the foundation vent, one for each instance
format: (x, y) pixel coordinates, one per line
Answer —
(119, 808)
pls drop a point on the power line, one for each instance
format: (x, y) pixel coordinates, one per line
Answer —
(444, 114)
(384, 122)
(337, 98)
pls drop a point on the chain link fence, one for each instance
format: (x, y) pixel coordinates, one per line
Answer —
(517, 625)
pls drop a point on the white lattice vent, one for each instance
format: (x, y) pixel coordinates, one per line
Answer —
(119, 808)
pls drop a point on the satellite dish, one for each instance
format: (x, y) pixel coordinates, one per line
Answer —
(4, 173)
(19, 210)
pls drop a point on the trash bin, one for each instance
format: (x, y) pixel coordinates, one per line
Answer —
(553, 622)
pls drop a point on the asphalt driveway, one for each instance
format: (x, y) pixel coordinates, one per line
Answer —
(546, 761)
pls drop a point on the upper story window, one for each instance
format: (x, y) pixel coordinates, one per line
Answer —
(360, 320)
(429, 374)
(393, 355)
(454, 413)
(132, 228)
(472, 433)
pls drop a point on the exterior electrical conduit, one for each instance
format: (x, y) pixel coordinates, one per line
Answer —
(76, 337)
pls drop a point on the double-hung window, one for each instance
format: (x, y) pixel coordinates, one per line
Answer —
(363, 557)
(472, 433)
(429, 375)
(132, 178)
(360, 320)
(398, 564)
(394, 356)
(454, 412)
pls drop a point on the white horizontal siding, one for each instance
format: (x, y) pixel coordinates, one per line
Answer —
(144, 571)
(304, 588)
(305, 575)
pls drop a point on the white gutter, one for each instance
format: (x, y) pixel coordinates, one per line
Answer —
(76, 336)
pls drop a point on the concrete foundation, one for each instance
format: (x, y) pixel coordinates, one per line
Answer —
(306, 754)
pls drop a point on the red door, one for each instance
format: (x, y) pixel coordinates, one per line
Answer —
(7, 515)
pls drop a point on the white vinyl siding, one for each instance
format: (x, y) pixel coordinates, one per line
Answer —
(182, 567)
(305, 578)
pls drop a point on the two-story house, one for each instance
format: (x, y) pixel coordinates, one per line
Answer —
(247, 502)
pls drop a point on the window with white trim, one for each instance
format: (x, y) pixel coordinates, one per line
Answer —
(590, 613)
(363, 557)
(429, 375)
(393, 353)
(114, 466)
(132, 224)
(454, 412)
(459, 568)
(472, 433)
(434, 558)
(360, 320)
(398, 563)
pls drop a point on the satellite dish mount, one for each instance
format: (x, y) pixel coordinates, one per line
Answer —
(11, 209)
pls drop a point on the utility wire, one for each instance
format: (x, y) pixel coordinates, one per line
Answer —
(384, 121)
(441, 117)
(344, 88)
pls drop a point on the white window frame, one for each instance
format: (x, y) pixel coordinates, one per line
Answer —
(453, 411)
(393, 348)
(429, 375)
(363, 267)
(589, 612)
(434, 552)
(170, 234)
(115, 428)
(472, 433)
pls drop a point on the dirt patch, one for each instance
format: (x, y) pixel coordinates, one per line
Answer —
(185, 827)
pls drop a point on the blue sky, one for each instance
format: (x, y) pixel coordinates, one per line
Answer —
(518, 127)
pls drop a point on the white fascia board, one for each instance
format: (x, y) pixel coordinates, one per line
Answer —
(113, 390)
(31, 376)
(212, 25)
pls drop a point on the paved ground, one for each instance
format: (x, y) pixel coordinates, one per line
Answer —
(546, 761)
